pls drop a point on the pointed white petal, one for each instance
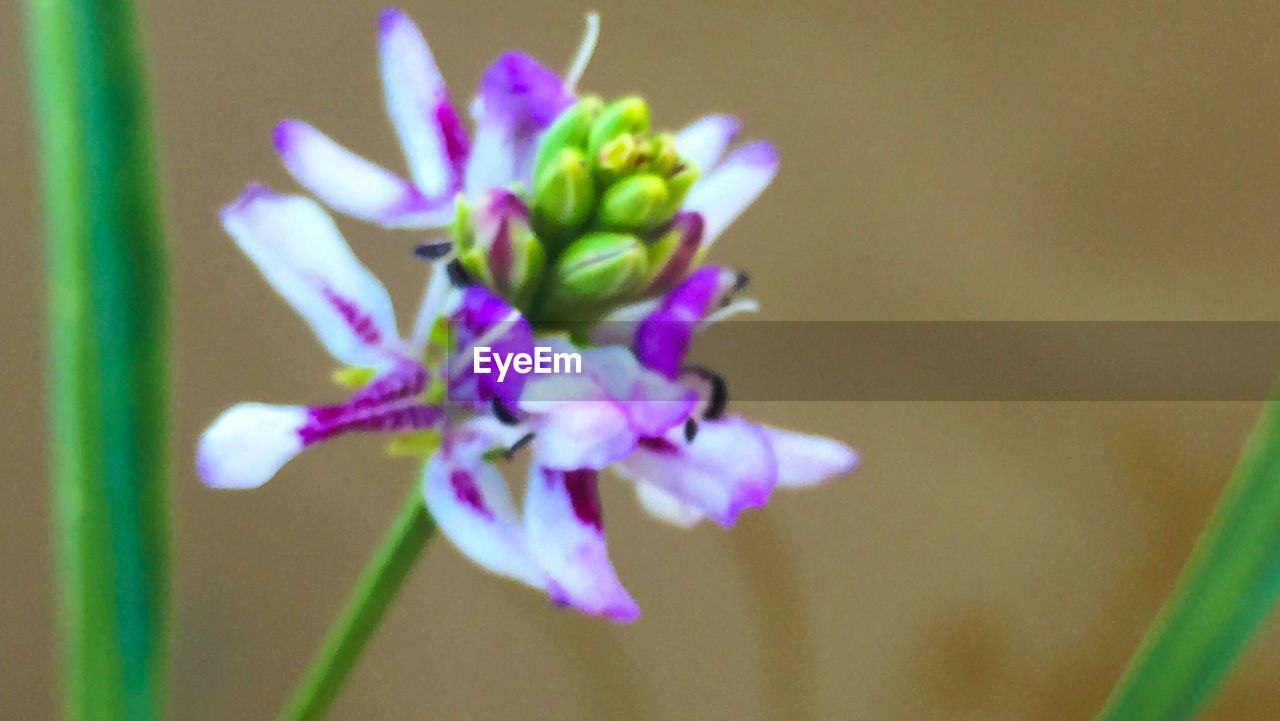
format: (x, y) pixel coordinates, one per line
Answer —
(804, 459)
(434, 141)
(666, 507)
(354, 185)
(299, 250)
(248, 443)
(727, 191)
(566, 536)
(472, 504)
(704, 140)
(726, 468)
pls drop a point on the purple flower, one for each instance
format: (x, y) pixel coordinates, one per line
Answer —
(634, 406)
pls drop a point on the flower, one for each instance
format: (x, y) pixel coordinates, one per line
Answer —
(571, 225)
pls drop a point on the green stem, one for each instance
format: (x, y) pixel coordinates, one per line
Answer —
(108, 390)
(1227, 588)
(377, 587)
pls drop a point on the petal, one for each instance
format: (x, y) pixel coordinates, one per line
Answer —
(354, 185)
(662, 339)
(434, 141)
(472, 504)
(576, 425)
(653, 404)
(804, 460)
(299, 250)
(519, 97)
(566, 537)
(619, 327)
(592, 419)
(666, 507)
(704, 140)
(483, 319)
(248, 443)
(726, 468)
(731, 187)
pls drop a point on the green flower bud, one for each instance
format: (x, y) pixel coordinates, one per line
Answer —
(563, 195)
(618, 158)
(596, 268)
(497, 246)
(664, 160)
(629, 115)
(640, 202)
(685, 175)
(569, 130)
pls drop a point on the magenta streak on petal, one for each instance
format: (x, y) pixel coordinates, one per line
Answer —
(689, 225)
(401, 418)
(357, 320)
(659, 445)
(456, 144)
(581, 487)
(500, 253)
(465, 488)
(405, 380)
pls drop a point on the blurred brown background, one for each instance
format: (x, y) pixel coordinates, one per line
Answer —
(992, 160)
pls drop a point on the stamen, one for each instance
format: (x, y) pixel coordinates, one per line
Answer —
(585, 49)
(503, 414)
(515, 447)
(433, 251)
(741, 280)
(459, 275)
(718, 398)
(690, 430)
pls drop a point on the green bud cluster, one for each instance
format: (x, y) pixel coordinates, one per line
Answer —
(599, 231)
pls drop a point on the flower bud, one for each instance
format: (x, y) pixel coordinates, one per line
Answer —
(664, 159)
(639, 202)
(564, 195)
(497, 246)
(675, 252)
(569, 130)
(596, 268)
(684, 175)
(618, 158)
(629, 115)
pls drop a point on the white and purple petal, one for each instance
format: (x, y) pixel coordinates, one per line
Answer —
(721, 196)
(662, 339)
(248, 443)
(472, 504)
(434, 141)
(727, 467)
(566, 537)
(354, 185)
(591, 419)
(704, 140)
(483, 319)
(804, 459)
(299, 250)
(519, 97)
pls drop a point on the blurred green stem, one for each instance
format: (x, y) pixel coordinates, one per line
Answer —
(1228, 586)
(108, 389)
(377, 587)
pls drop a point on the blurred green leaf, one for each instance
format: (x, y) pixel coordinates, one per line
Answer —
(1228, 586)
(108, 385)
